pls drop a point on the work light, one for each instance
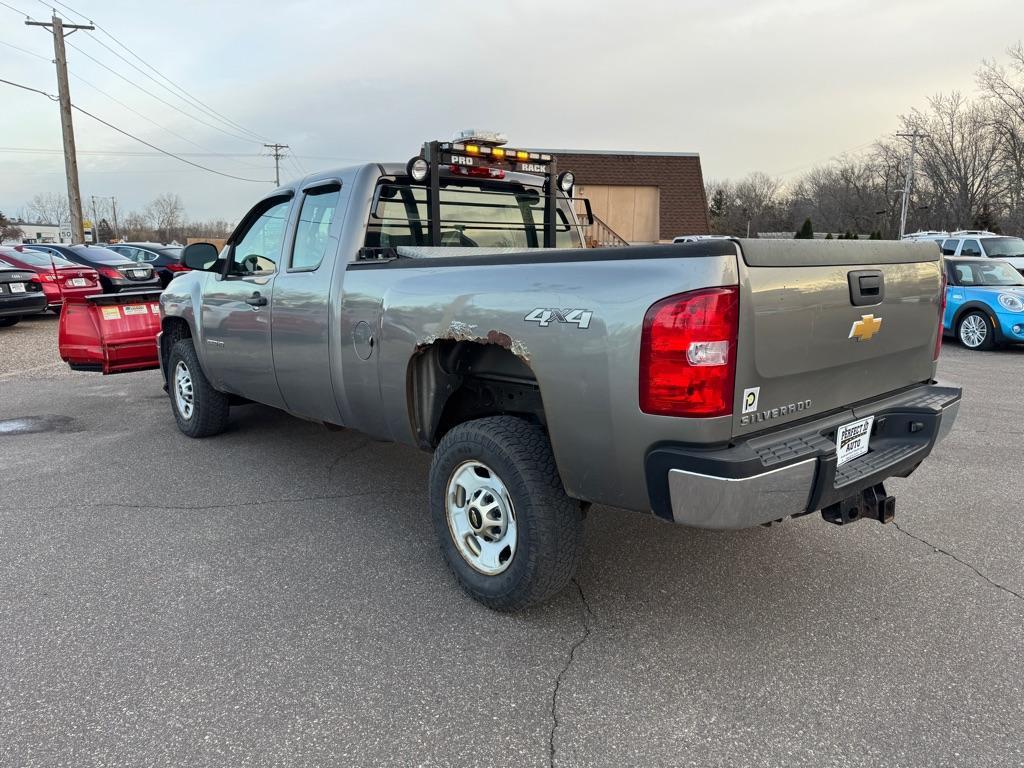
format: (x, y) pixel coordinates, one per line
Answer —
(417, 168)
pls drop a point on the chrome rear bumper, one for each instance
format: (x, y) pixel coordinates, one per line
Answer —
(794, 471)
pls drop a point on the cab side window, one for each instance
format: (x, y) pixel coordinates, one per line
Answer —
(970, 248)
(313, 232)
(259, 250)
(949, 247)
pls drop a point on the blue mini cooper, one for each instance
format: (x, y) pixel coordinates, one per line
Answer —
(984, 302)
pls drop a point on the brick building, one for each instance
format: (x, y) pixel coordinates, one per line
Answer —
(640, 196)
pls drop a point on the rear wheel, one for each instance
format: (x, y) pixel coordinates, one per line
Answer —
(975, 331)
(7, 322)
(506, 527)
(199, 409)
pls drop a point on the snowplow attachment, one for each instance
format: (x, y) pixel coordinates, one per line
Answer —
(111, 332)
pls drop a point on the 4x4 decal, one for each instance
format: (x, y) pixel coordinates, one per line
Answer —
(544, 317)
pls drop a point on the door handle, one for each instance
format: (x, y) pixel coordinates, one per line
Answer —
(256, 300)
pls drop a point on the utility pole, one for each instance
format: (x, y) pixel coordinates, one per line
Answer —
(95, 221)
(277, 155)
(908, 184)
(57, 26)
(113, 208)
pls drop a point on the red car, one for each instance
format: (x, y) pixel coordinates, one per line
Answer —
(58, 277)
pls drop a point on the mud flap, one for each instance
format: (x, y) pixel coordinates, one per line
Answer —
(111, 332)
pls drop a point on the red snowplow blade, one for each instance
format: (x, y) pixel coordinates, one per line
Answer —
(111, 332)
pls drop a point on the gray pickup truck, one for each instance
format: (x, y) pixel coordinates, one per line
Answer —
(449, 304)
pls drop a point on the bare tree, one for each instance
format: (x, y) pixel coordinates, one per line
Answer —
(754, 200)
(166, 214)
(957, 159)
(1003, 92)
(48, 208)
(9, 231)
(135, 227)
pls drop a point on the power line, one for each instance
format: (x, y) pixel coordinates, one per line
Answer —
(182, 94)
(132, 136)
(126, 153)
(130, 109)
(161, 100)
(5, 5)
(25, 50)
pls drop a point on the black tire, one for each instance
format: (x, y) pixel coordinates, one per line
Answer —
(549, 524)
(974, 315)
(210, 408)
(7, 322)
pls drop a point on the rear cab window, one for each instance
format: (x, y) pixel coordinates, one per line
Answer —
(312, 234)
(472, 215)
(970, 248)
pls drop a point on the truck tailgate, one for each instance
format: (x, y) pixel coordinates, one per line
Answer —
(826, 325)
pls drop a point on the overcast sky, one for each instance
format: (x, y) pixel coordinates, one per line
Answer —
(775, 85)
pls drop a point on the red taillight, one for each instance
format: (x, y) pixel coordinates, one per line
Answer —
(942, 315)
(177, 266)
(688, 354)
(110, 272)
(45, 278)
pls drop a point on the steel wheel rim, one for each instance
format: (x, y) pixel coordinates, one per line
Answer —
(184, 396)
(481, 518)
(973, 331)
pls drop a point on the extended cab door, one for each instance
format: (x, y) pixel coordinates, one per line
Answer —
(236, 306)
(301, 304)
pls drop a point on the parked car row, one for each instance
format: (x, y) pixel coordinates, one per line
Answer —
(977, 243)
(58, 277)
(42, 276)
(19, 294)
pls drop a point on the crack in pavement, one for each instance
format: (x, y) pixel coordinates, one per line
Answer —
(588, 617)
(201, 507)
(964, 563)
(348, 451)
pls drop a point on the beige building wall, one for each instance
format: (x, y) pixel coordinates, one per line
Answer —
(632, 211)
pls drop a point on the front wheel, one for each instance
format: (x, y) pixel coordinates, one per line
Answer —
(506, 527)
(199, 409)
(975, 331)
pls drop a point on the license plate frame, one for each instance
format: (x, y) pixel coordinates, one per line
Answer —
(16, 287)
(77, 282)
(853, 440)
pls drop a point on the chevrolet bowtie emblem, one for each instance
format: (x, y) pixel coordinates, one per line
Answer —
(865, 328)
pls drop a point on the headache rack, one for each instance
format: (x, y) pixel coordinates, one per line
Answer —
(487, 163)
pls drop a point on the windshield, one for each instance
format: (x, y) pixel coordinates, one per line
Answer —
(1004, 246)
(997, 273)
(99, 255)
(498, 216)
(37, 259)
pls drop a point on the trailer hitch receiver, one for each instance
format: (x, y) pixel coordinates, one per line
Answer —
(873, 503)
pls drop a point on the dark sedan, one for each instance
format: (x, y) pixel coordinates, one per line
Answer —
(117, 273)
(19, 295)
(165, 259)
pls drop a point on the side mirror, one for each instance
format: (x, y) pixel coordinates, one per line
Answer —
(201, 256)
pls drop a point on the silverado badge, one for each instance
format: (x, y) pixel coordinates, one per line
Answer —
(865, 328)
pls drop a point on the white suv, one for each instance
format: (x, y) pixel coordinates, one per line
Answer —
(971, 242)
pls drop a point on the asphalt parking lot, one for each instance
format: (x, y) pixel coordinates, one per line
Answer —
(274, 596)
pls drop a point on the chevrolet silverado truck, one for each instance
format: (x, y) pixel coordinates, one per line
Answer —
(448, 303)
